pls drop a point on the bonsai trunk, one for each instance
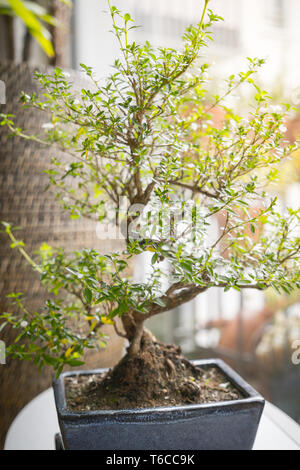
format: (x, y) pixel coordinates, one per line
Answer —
(134, 330)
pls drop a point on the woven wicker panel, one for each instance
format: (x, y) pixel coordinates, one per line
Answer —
(24, 203)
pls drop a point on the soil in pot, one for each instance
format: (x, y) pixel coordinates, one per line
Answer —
(158, 376)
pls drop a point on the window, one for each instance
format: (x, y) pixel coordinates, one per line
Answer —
(275, 12)
(172, 27)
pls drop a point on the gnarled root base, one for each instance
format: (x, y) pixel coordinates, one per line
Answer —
(158, 374)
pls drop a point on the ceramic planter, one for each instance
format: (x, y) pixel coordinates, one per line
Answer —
(223, 425)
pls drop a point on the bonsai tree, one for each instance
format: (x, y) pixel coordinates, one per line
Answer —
(145, 147)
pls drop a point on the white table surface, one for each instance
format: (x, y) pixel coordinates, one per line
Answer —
(35, 426)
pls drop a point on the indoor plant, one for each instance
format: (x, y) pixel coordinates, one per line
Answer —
(190, 192)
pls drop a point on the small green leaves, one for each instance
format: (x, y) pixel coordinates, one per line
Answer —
(52, 343)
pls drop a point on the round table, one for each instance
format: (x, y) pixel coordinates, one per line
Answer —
(35, 426)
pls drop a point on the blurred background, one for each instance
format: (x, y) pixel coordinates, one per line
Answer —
(253, 331)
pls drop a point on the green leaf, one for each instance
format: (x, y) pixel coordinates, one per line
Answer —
(127, 17)
(154, 258)
(35, 28)
(49, 360)
(88, 295)
(75, 362)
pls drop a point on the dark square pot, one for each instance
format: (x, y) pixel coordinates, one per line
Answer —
(224, 425)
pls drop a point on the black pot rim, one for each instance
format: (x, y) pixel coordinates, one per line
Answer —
(250, 396)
